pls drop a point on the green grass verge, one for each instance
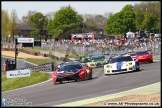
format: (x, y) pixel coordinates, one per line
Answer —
(42, 61)
(70, 55)
(14, 83)
(33, 49)
(38, 61)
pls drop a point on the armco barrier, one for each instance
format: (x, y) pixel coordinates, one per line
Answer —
(47, 67)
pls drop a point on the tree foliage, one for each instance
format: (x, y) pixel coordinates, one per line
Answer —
(14, 21)
(25, 18)
(139, 19)
(38, 20)
(35, 33)
(121, 22)
(142, 16)
(108, 14)
(6, 23)
(50, 15)
(65, 19)
(148, 15)
(150, 22)
(94, 21)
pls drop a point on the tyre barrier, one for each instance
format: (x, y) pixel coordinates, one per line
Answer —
(47, 67)
(8, 49)
(61, 58)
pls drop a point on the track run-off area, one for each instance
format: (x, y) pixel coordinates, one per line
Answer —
(47, 94)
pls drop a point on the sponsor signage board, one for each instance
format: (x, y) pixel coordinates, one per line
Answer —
(18, 73)
(25, 40)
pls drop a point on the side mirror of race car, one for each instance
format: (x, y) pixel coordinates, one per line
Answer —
(134, 59)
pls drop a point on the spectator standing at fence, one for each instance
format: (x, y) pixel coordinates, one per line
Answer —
(6, 62)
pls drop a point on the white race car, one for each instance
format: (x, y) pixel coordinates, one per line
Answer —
(121, 64)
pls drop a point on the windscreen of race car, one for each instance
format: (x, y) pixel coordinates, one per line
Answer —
(97, 57)
(70, 68)
(120, 59)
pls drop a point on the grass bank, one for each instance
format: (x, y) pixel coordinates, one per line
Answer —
(70, 55)
(14, 83)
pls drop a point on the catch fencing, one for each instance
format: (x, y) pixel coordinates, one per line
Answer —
(71, 48)
(21, 63)
(79, 49)
(47, 67)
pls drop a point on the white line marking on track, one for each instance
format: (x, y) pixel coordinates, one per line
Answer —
(130, 72)
(111, 94)
(41, 84)
(99, 93)
(28, 86)
(92, 95)
(76, 97)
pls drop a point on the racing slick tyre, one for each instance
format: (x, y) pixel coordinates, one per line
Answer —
(137, 68)
(54, 82)
(90, 76)
(151, 61)
(87, 76)
(61, 82)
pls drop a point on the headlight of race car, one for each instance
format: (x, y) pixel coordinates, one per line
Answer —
(109, 66)
(105, 61)
(129, 63)
(91, 63)
(88, 70)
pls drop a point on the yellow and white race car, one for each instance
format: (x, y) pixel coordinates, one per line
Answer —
(121, 64)
(96, 61)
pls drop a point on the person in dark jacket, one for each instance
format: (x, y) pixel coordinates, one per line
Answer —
(6, 62)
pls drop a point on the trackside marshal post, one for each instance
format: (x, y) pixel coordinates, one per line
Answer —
(18, 73)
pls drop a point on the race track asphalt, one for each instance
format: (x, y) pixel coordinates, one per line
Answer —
(47, 94)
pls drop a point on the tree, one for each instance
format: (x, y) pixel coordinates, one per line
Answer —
(5, 25)
(108, 14)
(128, 19)
(110, 25)
(35, 33)
(92, 22)
(26, 18)
(100, 19)
(152, 7)
(139, 19)
(158, 10)
(14, 20)
(121, 22)
(150, 22)
(65, 19)
(38, 21)
(50, 15)
(89, 19)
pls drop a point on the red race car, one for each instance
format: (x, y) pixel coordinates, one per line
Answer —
(73, 70)
(143, 57)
